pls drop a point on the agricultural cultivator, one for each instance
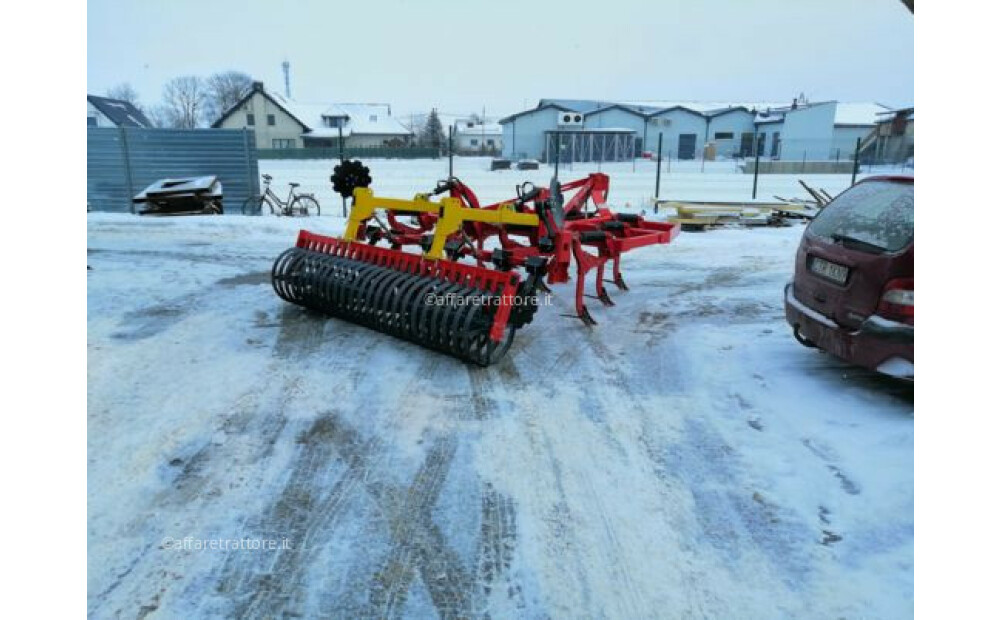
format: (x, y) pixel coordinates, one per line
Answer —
(470, 278)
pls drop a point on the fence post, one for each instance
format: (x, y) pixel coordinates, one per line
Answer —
(659, 160)
(756, 165)
(451, 152)
(803, 162)
(857, 158)
(128, 169)
(340, 141)
(246, 154)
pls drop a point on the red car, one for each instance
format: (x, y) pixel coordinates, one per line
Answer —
(852, 295)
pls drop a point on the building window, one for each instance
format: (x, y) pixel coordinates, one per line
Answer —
(283, 143)
(723, 135)
(373, 118)
(654, 122)
(474, 142)
(91, 121)
(270, 120)
(250, 120)
(489, 143)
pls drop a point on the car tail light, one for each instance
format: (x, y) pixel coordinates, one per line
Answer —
(897, 300)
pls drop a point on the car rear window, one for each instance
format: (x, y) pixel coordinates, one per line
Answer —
(877, 213)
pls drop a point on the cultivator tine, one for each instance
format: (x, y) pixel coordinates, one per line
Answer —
(619, 281)
(586, 318)
(431, 298)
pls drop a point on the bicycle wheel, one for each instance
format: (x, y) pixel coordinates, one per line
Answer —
(304, 205)
(254, 205)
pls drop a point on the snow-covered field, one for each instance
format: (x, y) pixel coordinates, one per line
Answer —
(686, 458)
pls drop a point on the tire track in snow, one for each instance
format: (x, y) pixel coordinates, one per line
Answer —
(419, 546)
(305, 512)
(497, 544)
(606, 367)
(251, 428)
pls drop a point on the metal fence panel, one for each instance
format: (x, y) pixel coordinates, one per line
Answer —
(121, 162)
(359, 152)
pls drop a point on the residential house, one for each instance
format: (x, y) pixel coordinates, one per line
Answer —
(281, 123)
(473, 137)
(108, 112)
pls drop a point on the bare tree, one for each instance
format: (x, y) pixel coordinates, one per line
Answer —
(124, 92)
(184, 102)
(158, 115)
(224, 90)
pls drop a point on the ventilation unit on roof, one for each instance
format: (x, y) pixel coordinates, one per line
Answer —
(570, 119)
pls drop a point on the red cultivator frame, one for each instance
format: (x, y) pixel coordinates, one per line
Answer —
(434, 299)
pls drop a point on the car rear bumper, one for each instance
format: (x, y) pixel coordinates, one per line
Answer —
(878, 344)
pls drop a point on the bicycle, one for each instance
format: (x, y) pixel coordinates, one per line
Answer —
(295, 204)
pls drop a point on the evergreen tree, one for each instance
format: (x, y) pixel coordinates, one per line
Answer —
(433, 133)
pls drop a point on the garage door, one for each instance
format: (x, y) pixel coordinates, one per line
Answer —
(685, 145)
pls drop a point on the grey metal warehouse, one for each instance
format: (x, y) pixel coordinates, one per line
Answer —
(590, 130)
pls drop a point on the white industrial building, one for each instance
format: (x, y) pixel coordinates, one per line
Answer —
(585, 130)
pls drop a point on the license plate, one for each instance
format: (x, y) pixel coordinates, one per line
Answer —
(828, 270)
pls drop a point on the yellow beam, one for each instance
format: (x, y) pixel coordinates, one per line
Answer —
(451, 215)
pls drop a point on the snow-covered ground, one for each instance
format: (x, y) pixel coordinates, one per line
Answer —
(631, 190)
(686, 458)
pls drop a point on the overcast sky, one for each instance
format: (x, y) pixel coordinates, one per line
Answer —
(461, 55)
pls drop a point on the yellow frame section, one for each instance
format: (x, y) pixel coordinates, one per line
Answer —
(451, 215)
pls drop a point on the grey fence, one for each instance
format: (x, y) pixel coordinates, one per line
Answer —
(121, 162)
(360, 152)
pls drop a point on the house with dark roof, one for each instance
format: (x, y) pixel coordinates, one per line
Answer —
(108, 112)
(280, 123)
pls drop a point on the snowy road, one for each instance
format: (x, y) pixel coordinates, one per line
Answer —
(686, 458)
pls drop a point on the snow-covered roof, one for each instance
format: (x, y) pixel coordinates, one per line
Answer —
(478, 129)
(577, 105)
(889, 116)
(704, 107)
(362, 118)
(849, 113)
(858, 113)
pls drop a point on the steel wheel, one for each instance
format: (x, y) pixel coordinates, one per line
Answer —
(305, 205)
(254, 205)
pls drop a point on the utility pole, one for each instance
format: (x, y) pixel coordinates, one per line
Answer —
(756, 164)
(340, 139)
(857, 164)
(659, 159)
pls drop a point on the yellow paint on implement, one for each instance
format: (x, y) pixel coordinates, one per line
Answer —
(451, 215)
